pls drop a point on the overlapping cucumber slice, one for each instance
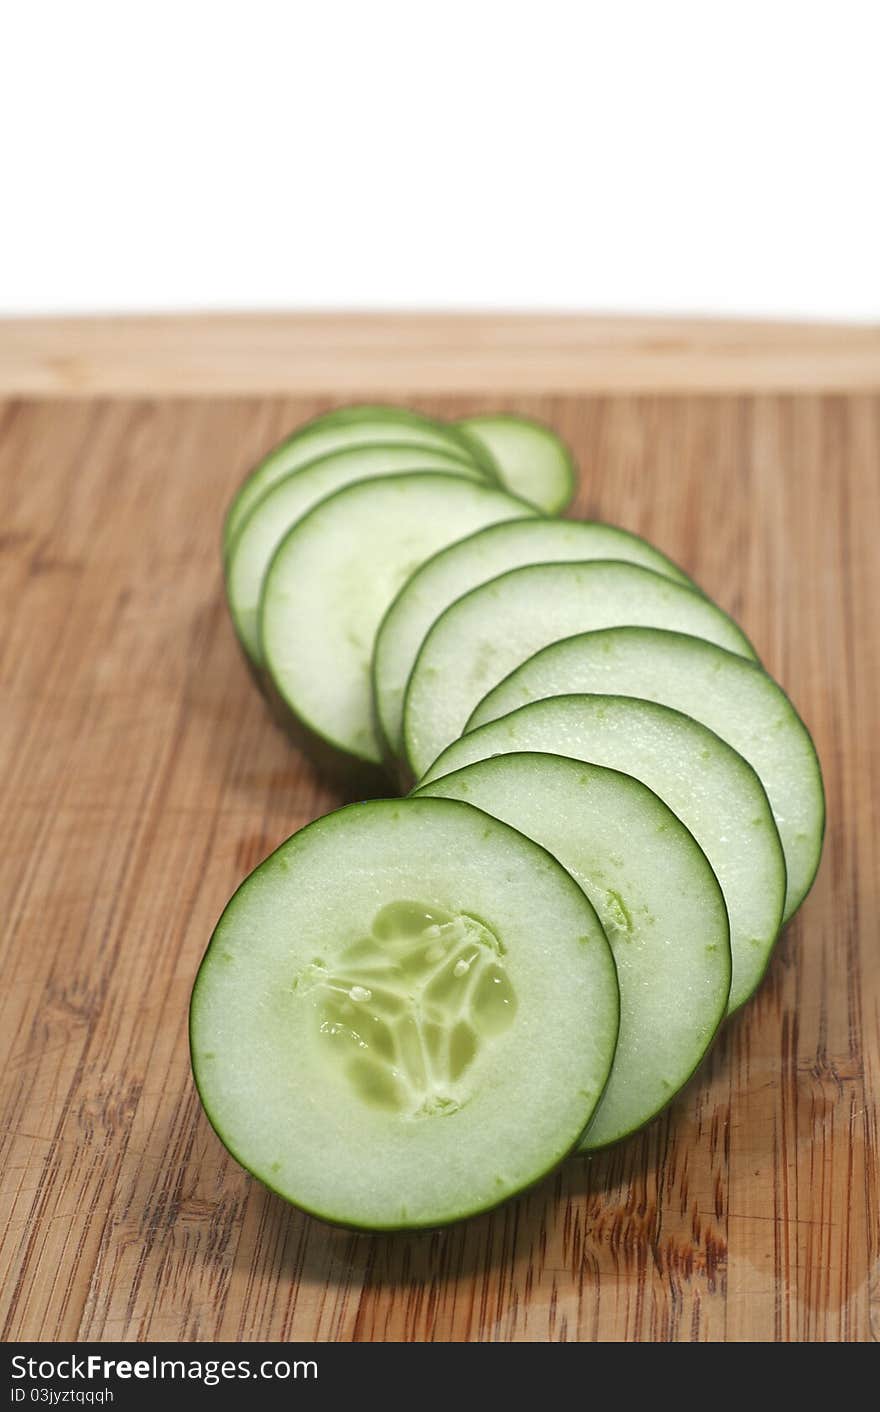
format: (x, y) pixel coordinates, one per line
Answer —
(472, 561)
(532, 461)
(288, 499)
(346, 427)
(488, 632)
(735, 698)
(405, 1015)
(657, 898)
(332, 578)
(410, 1011)
(711, 788)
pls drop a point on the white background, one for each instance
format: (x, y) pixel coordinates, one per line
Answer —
(615, 156)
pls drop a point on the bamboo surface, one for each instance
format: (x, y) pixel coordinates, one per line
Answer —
(379, 355)
(142, 778)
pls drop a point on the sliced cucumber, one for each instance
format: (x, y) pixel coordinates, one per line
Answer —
(290, 498)
(711, 788)
(657, 898)
(461, 567)
(348, 426)
(480, 638)
(374, 1031)
(735, 698)
(531, 460)
(332, 578)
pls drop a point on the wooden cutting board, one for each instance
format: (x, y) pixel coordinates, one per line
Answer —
(142, 778)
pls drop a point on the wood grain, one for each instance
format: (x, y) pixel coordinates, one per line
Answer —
(142, 777)
(386, 355)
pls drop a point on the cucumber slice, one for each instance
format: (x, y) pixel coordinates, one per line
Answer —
(531, 460)
(405, 1015)
(477, 641)
(702, 779)
(348, 426)
(735, 698)
(332, 578)
(461, 567)
(289, 499)
(657, 898)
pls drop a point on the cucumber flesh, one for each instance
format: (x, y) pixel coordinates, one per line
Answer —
(532, 461)
(375, 1034)
(703, 780)
(657, 898)
(331, 579)
(285, 502)
(488, 632)
(735, 698)
(472, 561)
(348, 426)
